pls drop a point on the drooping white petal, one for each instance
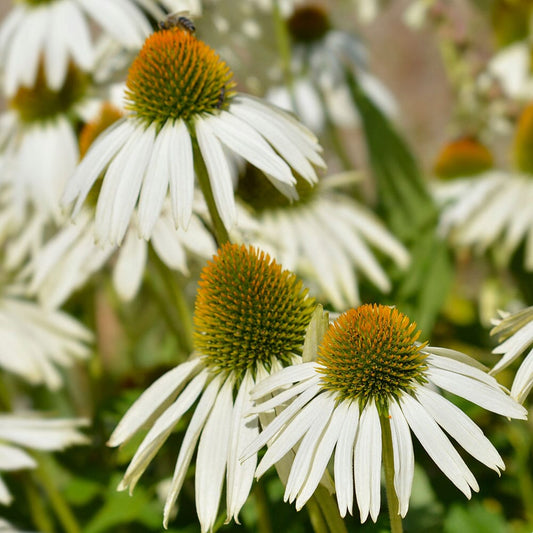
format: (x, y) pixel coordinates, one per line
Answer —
(523, 380)
(282, 397)
(280, 421)
(279, 139)
(513, 347)
(41, 434)
(367, 463)
(460, 427)
(121, 186)
(293, 429)
(188, 445)
(212, 457)
(155, 184)
(437, 445)
(160, 431)
(12, 458)
(5, 495)
(240, 475)
(305, 456)
(153, 401)
(101, 152)
(403, 455)
(307, 141)
(487, 395)
(322, 453)
(344, 460)
(244, 140)
(284, 377)
(23, 59)
(181, 177)
(219, 172)
(130, 265)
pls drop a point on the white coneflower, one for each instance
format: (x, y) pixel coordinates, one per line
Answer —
(371, 385)
(492, 209)
(183, 116)
(516, 332)
(250, 319)
(58, 32)
(35, 340)
(68, 259)
(325, 237)
(38, 144)
(33, 432)
(511, 67)
(321, 57)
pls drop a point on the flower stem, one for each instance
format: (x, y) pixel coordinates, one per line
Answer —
(330, 510)
(264, 524)
(317, 520)
(183, 326)
(40, 517)
(219, 230)
(61, 509)
(284, 48)
(388, 463)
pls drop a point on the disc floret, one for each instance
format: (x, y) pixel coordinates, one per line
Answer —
(308, 24)
(176, 76)
(249, 311)
(371, 353)
(40, 103)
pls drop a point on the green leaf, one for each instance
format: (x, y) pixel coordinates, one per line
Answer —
(474, 518)
(314, 334)
(121, 508)
(409, 212)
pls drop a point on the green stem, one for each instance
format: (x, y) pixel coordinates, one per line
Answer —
(330, 510)
(220, 231)
(521, 442)
(40, 517)
(59, 505)
(183, 326)
(388, 463)
(283, 41)
(318, 521)
(264, 524)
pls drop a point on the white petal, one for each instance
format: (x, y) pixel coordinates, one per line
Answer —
(404, 459)
(155, 184)
(181, 173)
(367, 463)
(292, 431)
(343, 464)
(284, 377)
(212, 457)
(12, 458)
(161, 429)
(244, 140)
(490, 397)
(130, 265)
(188, 445)
(240, 475)
(323, 452)
(219, 172)
(101, 152)
(279, 422)
(121, 186)
(305, 456)
(152, 401)
(523, 381)
(460, 427)
(437, 445)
